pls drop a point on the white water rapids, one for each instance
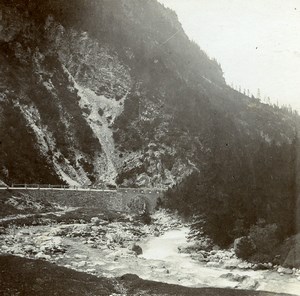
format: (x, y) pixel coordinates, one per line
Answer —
(197, 274)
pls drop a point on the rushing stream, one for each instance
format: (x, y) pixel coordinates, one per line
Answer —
(161, 261)
(165, 247)
(197, 274)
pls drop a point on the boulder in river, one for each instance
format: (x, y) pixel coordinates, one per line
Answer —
(81, 264)
(213, 264)
(95, 220)
(232, 263)
(137, 249)
(285, 270)
(248, 283)
(262, 266)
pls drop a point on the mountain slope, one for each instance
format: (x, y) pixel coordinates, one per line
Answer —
(114, 92)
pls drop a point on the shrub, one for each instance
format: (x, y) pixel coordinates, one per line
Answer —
(264, 236)
(137, 204)
(244, 247)
(159, 203)
(145, 217)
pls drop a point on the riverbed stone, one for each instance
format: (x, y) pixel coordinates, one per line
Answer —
(232, 263)
(95, 220)
(137, 249)
(81, 264)
(245, 265)
(43, 256)
(285, 270)
(213, 264)
(248, 283)
(80, 256)
(199, 257)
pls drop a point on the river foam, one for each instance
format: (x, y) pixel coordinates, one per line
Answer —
(188, 272)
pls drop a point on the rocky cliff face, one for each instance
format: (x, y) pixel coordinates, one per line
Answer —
(114, 92)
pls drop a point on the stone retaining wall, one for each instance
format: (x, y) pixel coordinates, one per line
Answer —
(128, 200)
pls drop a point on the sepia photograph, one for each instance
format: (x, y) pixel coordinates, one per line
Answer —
(149, 147)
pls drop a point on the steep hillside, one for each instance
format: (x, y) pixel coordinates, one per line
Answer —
(114, 92)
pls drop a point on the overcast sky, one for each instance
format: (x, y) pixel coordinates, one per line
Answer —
(257, 42)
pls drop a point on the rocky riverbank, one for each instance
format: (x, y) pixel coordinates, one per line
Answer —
(80, 244)
(37, 277)
(110, 245)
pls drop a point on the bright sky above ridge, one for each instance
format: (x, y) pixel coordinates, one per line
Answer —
(257, 42)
